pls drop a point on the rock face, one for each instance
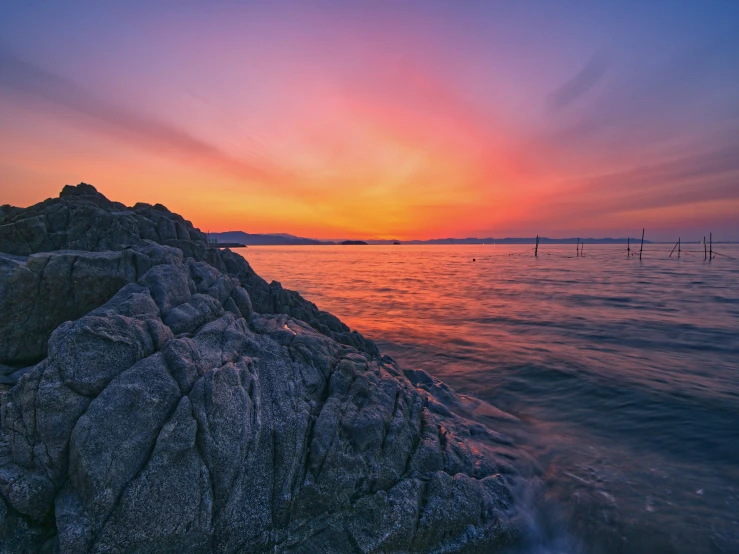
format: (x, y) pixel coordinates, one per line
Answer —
(83, 220)
(179, 403)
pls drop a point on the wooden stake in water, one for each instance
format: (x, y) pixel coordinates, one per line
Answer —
(642, 244)
(628, 247)
(578, 246)
(536, 248)
(677, 245)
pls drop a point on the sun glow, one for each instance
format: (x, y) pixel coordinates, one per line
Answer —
(365, 124)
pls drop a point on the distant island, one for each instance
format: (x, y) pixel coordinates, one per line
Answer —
(284, 239)
(515, 240)
(276, 239)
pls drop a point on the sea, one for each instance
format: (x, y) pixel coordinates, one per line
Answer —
(621, 375)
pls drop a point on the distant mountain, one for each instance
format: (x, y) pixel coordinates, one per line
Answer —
(354, 242)
(277, 239)
(515, 240)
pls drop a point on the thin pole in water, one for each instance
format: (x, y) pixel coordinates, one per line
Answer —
(705, 253)
(628, 246)
(678, 247)
(673, 250)
(578, 246)
(642, 244)
(536, 248)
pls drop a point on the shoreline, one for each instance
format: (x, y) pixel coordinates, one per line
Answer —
(216, 373)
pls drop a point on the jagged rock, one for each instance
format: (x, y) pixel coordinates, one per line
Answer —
(105, 454)
(42, 291)
(190, 316)
(175, 477)
(186, 405)
(83, 219)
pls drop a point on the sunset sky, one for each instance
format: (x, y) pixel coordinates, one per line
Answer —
(382, 119)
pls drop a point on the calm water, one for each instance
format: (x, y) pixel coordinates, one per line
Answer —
(624, 375)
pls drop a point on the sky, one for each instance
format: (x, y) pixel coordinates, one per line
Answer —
(407, 120)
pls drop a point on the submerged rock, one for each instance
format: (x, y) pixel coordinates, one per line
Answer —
(179, 403)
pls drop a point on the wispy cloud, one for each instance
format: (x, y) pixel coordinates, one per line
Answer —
(683, 181)
(581, 83)
(34, 82)
(386, 120)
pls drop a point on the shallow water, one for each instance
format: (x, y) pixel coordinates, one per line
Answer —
(624, 375)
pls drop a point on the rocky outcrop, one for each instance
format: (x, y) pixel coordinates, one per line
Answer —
(84, 221)
(41, 292)
(178, 403)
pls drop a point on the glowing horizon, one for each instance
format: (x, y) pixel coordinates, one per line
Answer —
(404, 121)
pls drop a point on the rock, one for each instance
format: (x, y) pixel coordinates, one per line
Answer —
(83, 219)
(178, 402)
(39, 293)
(91, 351)
(112, 441)
(190, 316)
(175, 477)
(169, 286)
(18, 536)
(242, 302)
(83, 189)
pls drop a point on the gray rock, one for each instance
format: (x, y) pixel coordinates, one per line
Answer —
(175, 477)
(169, 286)
(193, 314)
(113, 440)
(185, 405)
(242, 302)
(83, 219)
(40, 293)
(91, 351)
(18, 536)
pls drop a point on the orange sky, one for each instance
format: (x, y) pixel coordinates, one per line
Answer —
(410, 122)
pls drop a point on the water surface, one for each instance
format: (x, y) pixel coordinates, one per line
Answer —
(624, 375)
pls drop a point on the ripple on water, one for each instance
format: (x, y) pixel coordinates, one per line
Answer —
(621, 377)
